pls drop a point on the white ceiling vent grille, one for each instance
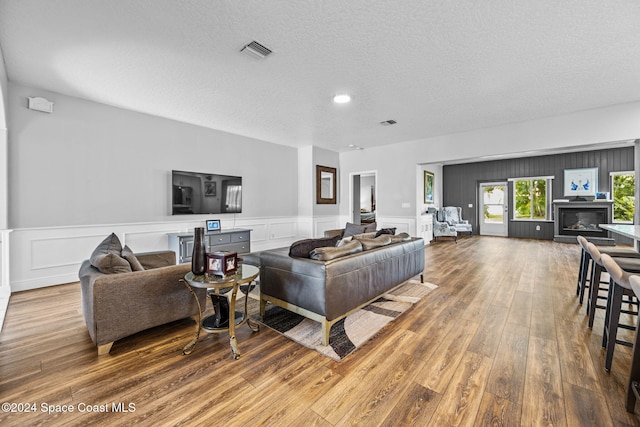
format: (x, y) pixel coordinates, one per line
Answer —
(256, 50)
(388, 122)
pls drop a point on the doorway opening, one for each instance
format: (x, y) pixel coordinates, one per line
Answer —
(494, 209)
(364, 196)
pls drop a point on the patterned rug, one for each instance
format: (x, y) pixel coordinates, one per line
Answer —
(351, 332)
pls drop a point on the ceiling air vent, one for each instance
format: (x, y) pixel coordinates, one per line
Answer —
(388, 122)
(256, 50)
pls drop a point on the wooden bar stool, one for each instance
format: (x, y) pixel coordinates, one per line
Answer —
(633, 387)
(619, 285)
(595, 282)
(586, 264)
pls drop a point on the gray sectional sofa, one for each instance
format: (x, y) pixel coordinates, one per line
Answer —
(330, 288)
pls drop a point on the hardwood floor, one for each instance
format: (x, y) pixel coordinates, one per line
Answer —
(502, 341)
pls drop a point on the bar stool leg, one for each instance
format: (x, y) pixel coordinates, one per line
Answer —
(614, 305)
(584, 270)
(594, 289)
(634, 375)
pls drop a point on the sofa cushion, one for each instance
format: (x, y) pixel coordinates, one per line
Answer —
(402, 237)
(391, 231)
(302, 248)
(106, 257)
(376, 242)
(329, 253)
(128, 254)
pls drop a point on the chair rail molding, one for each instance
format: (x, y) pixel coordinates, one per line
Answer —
(51, 256)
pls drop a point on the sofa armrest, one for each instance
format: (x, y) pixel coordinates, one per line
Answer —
(333, 233)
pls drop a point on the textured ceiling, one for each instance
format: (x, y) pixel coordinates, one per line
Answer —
(436, 67)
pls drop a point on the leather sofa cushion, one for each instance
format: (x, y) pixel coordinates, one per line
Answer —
(329, 253)
(303, 248)
(376, 242)
(106, 257)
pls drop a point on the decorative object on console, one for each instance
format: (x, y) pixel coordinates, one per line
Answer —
(222, 263)
(198, 258)
(602, 195)
(213, 225)
(429, 179)
(580, 182)
(325, 185)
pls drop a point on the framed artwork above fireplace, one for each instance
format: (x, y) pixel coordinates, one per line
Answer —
(580, 182)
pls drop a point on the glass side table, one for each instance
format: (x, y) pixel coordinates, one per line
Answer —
(216, 285)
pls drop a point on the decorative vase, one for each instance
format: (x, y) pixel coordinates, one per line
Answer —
(198, 256)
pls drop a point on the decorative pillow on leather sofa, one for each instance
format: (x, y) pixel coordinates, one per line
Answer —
(106, 257)
(391, 231)
(302, 248)
(353, 229)
(127, 254)
(329, 253)
(402, 237)
(376, 242)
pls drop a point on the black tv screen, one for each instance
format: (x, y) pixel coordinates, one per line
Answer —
(205, 193)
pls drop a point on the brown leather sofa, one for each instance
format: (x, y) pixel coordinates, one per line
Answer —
(327, 291)
(118, 305)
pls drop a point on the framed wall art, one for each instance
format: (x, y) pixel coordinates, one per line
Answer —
(429, 179)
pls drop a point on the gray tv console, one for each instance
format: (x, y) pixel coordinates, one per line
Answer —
(234, 240)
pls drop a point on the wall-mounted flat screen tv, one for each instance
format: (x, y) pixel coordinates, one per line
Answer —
(205, 193)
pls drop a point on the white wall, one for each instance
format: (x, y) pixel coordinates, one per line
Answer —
(89, 169)
(5, 288)
(89, 163)
(396, 164)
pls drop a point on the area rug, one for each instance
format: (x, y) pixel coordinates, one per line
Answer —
(351, 332)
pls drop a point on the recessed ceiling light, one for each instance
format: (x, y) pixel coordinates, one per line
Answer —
(355, 147)
(342, 98)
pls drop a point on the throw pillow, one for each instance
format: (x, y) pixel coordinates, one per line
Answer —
(106, 257)
(329, 253)
(368, 228)
(128, 254)
(344, 241)
(353, 229)
(402, 237)
(302, 248)
(391, 231)
(376, 242)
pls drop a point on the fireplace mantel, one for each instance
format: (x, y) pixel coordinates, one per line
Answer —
(602, 210)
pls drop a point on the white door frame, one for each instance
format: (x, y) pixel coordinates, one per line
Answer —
(351, 201)
(488, 229)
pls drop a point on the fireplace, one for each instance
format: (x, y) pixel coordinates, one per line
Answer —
(581, 221)
(573, 219)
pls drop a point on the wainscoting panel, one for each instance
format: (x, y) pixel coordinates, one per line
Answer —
(402, 224)
(323, 224)
(41, 257)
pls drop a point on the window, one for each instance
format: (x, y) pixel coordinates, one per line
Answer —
(623, 195)
(532, 198)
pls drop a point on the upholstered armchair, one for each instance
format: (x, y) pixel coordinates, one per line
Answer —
(441, 228)
(452, 215)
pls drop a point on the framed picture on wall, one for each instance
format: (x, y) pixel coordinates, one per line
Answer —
(429, 179)
(580, 182)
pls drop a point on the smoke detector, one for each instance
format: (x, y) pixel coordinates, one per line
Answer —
(256, 50)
